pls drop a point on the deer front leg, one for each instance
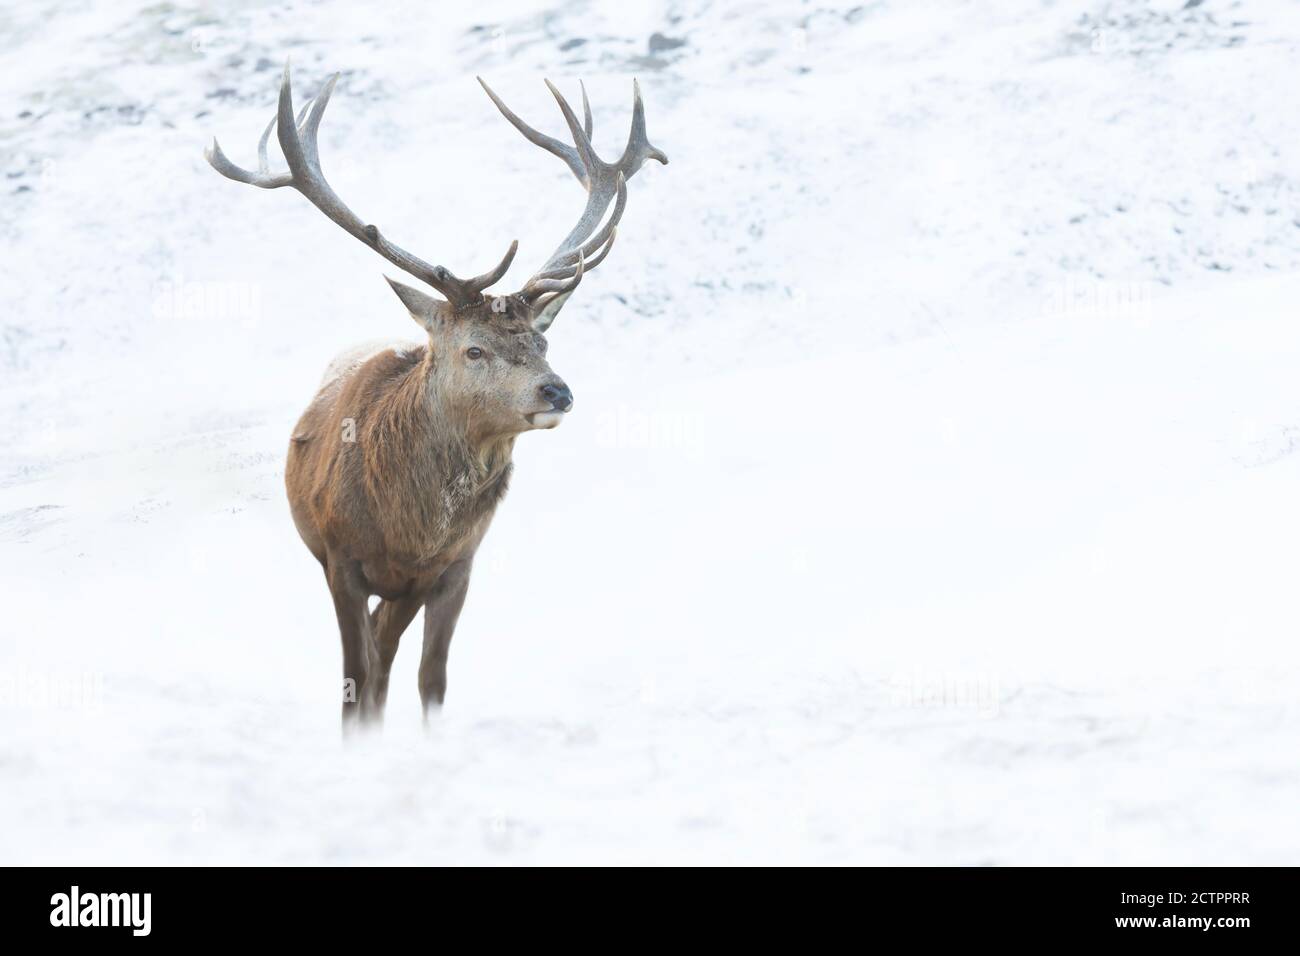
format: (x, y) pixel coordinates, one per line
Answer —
(360, 655)
(441, 611)
(389, 622)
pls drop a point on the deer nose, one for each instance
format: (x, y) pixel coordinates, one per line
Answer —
(558, 394)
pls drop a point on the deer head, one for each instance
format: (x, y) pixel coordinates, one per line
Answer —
(489, 351)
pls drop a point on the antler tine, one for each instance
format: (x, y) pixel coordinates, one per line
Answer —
(314, 111)
(479, 283)
(538, 286)
(548, 143)
(604, 182)
(620, 203)
(599, 257)
(298, 141)
(638, 148)
(560, 272)
(264, 164)
(263, 178)
(547, 293)
(581, 137)
(586, 109)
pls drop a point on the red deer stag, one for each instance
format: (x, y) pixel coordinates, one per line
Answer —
(397, 465)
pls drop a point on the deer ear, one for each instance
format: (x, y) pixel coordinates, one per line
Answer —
(543, 319)
(422, 306)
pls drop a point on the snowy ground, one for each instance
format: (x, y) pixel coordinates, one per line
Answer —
(929, 496)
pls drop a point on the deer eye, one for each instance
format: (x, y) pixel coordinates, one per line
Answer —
(474, 352)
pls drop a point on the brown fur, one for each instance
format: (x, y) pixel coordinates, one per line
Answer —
(400, 510)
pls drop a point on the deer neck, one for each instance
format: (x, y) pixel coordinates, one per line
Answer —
(435, 482)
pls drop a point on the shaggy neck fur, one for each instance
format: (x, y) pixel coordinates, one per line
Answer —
(431, 483)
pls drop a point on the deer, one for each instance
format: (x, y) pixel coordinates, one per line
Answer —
(396, 468)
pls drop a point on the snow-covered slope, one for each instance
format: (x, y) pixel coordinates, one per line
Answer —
(929, 495)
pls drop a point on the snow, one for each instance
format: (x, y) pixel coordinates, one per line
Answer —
(928, 497)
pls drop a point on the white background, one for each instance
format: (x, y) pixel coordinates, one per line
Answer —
(930, 494)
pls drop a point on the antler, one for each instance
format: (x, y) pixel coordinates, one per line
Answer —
(581, 251)
(298, 142)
